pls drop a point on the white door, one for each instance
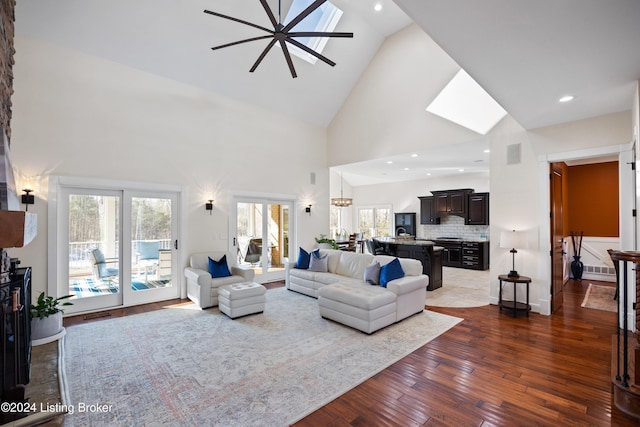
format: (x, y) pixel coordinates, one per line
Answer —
(262, 236)
(116, 247)
(153, 245)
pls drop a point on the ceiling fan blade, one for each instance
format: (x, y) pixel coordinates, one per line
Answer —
(313, 6)
(311, 51)
(269, 13)
(231, 18)
(262, 55)
(319, 34)
(287, 56)
(252, 39)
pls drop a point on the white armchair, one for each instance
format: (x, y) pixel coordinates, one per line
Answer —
(202, 289)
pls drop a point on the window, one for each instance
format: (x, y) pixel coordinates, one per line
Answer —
(335, 220)
(466, 103)
(324, 19)
(374, 221)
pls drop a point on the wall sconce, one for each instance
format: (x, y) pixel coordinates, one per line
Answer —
(308, 210)
(28, 198)
(209, 206)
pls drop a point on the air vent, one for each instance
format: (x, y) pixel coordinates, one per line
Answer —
(513, 154)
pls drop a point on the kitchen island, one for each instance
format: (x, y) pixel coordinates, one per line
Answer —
(425, 251)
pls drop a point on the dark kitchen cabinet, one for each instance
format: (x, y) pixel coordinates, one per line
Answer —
(475, 255)
(406, 221)
(477, 209)
(430, 258)
(452, 202)
(428, 213)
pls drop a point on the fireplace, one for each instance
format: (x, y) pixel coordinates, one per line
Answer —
(15, 337)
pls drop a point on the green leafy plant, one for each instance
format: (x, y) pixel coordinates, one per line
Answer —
(324, 239)
(47, 306)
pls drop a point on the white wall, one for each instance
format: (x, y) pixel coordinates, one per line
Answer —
(385, 112)
(520, 192)
(77, 115)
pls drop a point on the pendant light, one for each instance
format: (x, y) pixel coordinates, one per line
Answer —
(341, 201)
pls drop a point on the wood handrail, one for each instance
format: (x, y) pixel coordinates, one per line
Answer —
(628, 256)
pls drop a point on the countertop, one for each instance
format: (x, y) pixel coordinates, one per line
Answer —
(404, 241)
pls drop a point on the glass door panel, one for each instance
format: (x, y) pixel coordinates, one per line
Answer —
(119, 248)
(151, 242)
(249, 235)
(151, 236)
(262, 240)
(94, 276)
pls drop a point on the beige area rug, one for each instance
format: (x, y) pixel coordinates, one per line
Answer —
(461, 288)
(186, 367)
(600, 297)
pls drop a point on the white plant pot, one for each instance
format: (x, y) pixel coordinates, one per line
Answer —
(324, 246)
(47, 327)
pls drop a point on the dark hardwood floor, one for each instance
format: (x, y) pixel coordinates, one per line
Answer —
(489, 370)
(495, 370)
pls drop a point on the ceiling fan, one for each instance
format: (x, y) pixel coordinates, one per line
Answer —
(282, 34)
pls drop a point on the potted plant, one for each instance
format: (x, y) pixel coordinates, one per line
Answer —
(326, 243)
(46, 316)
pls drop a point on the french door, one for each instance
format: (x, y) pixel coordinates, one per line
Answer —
(261, 236)
(116, 247)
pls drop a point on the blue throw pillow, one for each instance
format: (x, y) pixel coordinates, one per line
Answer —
(391, 271)
(303, 259)
(219, 268)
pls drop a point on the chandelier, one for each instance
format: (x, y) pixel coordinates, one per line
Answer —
(341, 201)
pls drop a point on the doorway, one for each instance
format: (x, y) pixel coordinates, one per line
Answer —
(262, 235)
(116, 246)
(557, 236)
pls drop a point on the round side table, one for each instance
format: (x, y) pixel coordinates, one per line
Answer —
(514, 305)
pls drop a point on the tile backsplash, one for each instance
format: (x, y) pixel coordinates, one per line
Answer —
(453, 226)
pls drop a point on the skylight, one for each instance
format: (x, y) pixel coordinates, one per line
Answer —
(324, 19)
(464, 102)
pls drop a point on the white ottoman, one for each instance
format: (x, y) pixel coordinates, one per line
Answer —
(364, 307)
(241, 299)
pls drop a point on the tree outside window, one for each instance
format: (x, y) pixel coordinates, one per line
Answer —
(374, 221)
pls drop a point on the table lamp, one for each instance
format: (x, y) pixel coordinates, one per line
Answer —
(513, 239)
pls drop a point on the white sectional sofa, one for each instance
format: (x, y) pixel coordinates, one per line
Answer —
(202, 289)
(345, 297)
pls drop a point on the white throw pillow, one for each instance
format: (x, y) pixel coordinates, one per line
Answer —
(372, 274)
(318, 263)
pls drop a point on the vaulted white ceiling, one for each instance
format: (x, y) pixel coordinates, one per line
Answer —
(173, 39)
(526, 54)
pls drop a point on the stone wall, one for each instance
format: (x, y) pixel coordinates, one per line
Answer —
(7, 19)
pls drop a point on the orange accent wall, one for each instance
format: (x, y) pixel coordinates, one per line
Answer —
(593, 198)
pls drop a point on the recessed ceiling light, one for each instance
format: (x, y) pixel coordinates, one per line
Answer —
(487, 151)
(389, 162)
(406, 169)
(377, 7)
(414, 155)
(460, 170)
(566, 98)
(428, 173)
